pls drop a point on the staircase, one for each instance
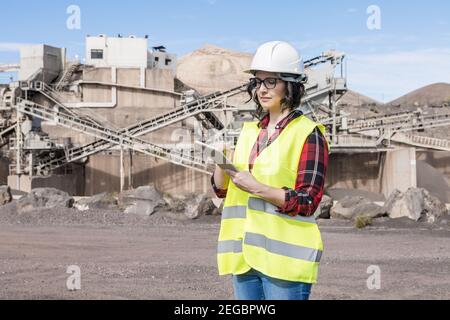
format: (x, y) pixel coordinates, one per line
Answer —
(66, 76)
(422, 141)
(4, 134)
(406, 121)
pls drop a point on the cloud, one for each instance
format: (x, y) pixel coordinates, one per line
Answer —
(352, 10)
(356, 41)
(391, 75)
(11, 46)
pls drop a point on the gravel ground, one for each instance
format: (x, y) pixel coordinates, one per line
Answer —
(167, 257)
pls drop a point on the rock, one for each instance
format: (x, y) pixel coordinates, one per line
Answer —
(99, 201)
(45, 198)
(195, 205)
(141, 201)
(5, 195)
(208, 208)
(351, 207)
(325, 206)
(218, 210)
(434, 209)
(389, 204)
(174, 204)
(416, 204)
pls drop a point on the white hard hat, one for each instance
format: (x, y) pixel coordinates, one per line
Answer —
(279, 57)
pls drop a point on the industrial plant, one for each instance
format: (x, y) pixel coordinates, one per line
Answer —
(129, 116)
(106, 168)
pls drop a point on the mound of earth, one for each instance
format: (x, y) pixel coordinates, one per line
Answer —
(431, 95)
(211, 68)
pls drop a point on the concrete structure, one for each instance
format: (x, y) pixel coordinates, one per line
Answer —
(127, 52)
(34, 58)
(102, 175)
(132, 104)
(73, 183)
(124, 84)
(399, 171)
(160, 59)
(104, 51)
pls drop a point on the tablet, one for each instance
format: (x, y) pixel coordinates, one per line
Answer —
(219, 158)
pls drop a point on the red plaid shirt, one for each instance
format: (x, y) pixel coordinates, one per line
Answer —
(309, 188)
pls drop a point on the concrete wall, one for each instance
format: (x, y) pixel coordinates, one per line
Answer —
(382, 173)
(34, 57)
(133, 105)
(118, 52)
(163, 60)
(399, 171)
(73, 184)
(102, 175)
(355, 171)
(374, 172)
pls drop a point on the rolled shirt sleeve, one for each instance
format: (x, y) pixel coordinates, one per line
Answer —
(307, 195)
(220, 193)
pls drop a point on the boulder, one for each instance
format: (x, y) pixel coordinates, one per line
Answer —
(219, 209)
(47, 198)
(196, 205)
(352, 207)
(325, 207)
(141, 201)
(99, 201)
(416, 204)
(174, 203)
(192, 205)
(208, 208)
(5, 195)
(389, 204)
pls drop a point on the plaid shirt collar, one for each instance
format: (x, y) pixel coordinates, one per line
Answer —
(282, 123)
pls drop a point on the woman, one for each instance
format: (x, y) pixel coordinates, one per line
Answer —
(269, 240)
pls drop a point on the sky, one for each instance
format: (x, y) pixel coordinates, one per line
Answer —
(392, 47)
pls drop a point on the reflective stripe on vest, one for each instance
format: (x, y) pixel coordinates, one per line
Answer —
(282, 248)
(229, 246)
(274, 246)
(267, 207)
(236, 212)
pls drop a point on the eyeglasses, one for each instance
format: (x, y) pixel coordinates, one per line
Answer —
(269, 83)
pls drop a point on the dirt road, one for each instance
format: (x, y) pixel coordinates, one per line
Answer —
(177, 261)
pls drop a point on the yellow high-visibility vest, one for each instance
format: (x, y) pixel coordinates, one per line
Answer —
(252, 233)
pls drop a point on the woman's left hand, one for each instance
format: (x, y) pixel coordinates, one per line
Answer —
(245, 181)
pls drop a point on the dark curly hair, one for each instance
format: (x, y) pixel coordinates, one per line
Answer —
(292, 99)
